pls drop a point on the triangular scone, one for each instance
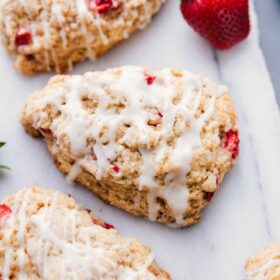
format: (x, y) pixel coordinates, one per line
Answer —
(52, 35)
(45, 235)
(265, 265)
(155, 143)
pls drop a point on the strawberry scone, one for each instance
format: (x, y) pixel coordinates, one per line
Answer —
(265, 265)
(154, 143)
(45, 235)
(52, 35)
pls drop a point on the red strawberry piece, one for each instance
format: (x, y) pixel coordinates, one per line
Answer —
(209, 196)
(103, 224)
(231, 142)
(149, 79)
(223, 23)
(116, 168)
(29, 57)
(23, 36)
(100, 6)
(108, 226)
(93, 155)
(160, 114)
(45, 132)
(5, 211)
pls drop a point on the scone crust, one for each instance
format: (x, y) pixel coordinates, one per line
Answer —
(265, 265)
(64, 32)
(44, 226)
(208, 164)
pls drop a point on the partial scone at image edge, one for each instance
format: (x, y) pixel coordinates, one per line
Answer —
(154, 143)
(53, 35)
(265, 264)
(46, 235)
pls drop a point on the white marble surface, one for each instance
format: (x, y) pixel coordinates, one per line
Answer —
(244, 214)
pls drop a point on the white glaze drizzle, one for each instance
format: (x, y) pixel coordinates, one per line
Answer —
(260, 273)
(83, 14)
(130, 87)
(144, 15)
(75, 171)
(46, 22)
(26, 9)
(56, 11)
(8, 26)
(21, 235)
(53, 13)
(65, 251)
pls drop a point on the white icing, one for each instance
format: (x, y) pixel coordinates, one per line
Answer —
(21, 234)
(57, 12)
(52, 14)
(8, 25)
(83, 13)
(142, 102)
(67, 250)
(24, 4)
(260, 273)
(75, 171)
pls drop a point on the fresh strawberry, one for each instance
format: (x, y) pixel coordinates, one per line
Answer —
(231, 142)
(23, 36)
(223, 23)
(5, 211)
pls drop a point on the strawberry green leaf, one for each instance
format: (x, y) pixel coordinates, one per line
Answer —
(4, 167)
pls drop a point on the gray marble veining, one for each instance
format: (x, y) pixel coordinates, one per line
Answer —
(269, 22)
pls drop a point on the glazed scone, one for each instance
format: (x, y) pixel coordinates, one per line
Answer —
(154, 143)
(45, 235)
(265, 265)
(52, 35)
